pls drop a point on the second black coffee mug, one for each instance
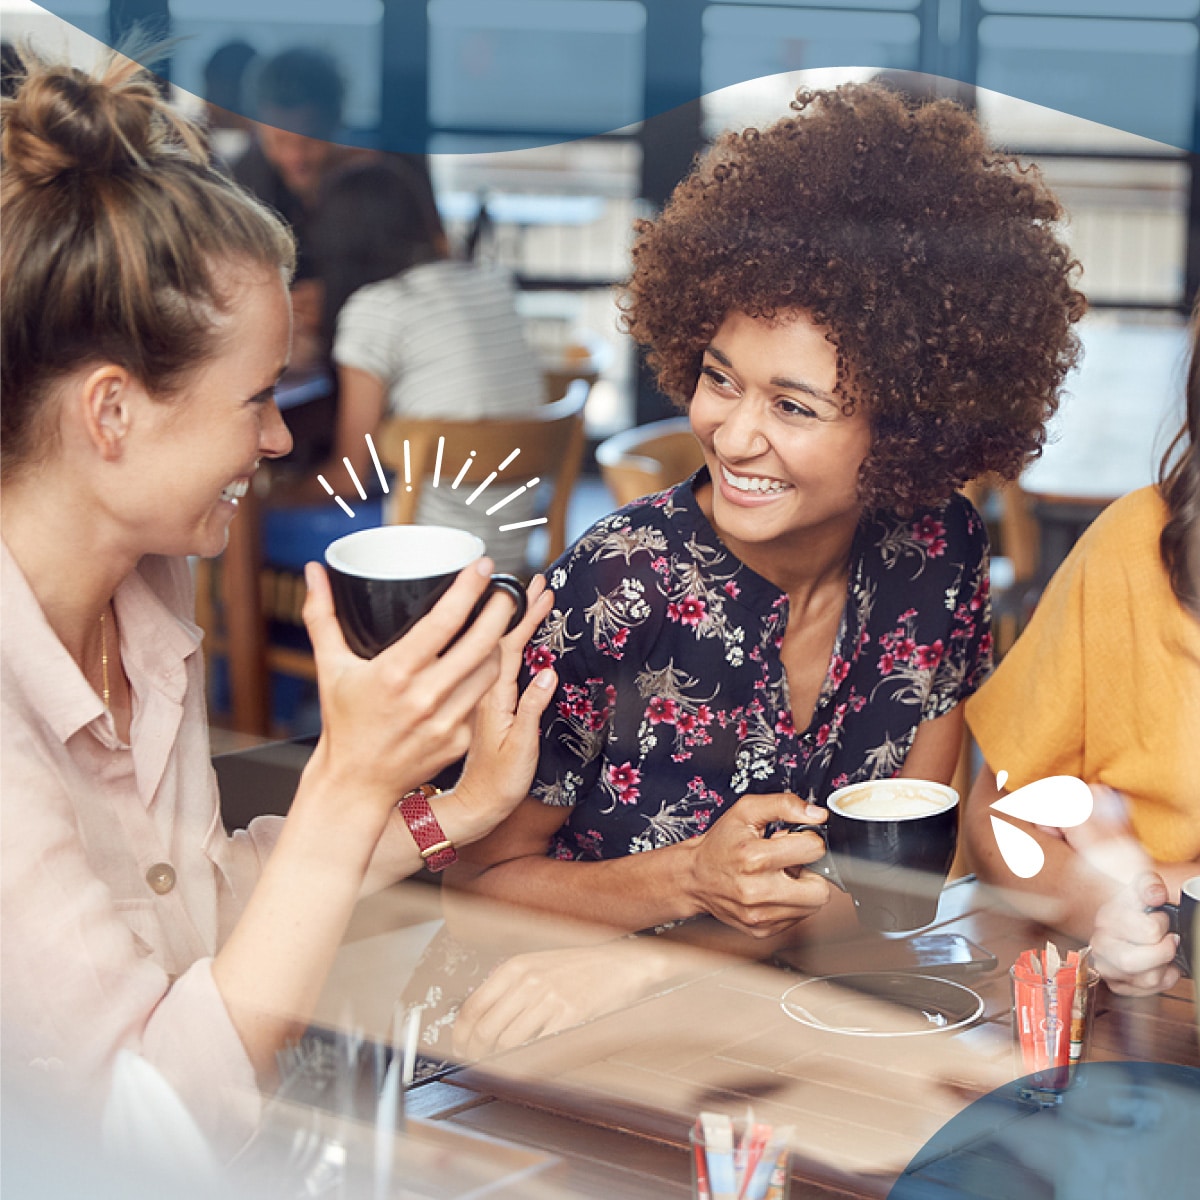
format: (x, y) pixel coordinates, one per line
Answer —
(384, 580)
(891, 843)
(1184, 918)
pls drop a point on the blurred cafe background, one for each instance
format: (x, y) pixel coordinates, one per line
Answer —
(477, 88)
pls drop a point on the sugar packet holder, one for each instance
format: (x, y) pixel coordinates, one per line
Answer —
(752, 1166)
(1051, 1012)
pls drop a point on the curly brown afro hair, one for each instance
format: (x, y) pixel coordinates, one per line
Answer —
(931, 258)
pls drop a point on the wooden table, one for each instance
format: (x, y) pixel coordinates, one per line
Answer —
(614, 1098)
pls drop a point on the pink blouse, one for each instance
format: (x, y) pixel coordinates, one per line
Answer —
(118, 879)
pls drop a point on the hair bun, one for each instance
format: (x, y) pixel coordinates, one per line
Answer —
(64, 121)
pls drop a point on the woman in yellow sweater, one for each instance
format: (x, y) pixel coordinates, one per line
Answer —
(1104, 684)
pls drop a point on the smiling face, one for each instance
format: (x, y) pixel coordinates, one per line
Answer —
(191, 456)
(783, 456)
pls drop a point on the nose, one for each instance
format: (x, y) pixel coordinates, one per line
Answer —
(740, 435)
(274, 439)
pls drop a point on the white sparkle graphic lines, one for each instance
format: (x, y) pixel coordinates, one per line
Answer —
(436, 482)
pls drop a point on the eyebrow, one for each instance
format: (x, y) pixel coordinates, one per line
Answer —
(272, 385)
(779, 381)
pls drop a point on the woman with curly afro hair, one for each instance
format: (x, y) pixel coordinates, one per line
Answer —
(861, 307)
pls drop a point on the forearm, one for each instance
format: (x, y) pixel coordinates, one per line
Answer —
(271, 970)
(622, 895)
(396, 855)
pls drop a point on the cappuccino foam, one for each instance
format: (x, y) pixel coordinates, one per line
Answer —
(896, 803)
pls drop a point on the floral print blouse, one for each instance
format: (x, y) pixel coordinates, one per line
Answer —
(672, 698)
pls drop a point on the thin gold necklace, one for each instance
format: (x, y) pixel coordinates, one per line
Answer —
(104, 660)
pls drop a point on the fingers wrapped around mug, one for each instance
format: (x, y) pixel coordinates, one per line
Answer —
(391, 722)
(740, 876)
(1132, 940)
(504, 750)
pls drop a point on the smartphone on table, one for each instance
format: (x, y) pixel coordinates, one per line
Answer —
(948, 955)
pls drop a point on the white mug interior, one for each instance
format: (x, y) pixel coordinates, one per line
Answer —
(926, 787)
(1191, 887)
(404, 552)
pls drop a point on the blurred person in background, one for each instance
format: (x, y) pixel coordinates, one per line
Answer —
(414, 331)
(1104, 685)
(297, 98)
(224, 76)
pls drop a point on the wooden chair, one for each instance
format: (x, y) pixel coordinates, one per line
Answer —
(1014, 558)
(648, 458)
(237, 602)
(550, 439)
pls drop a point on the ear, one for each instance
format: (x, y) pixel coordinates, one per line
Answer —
(107, 400)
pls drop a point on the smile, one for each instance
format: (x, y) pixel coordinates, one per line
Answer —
(233, 492)
(754, 484)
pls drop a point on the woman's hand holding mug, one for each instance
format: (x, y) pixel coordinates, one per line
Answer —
(740, 876)
(504, 748)
(391, 722)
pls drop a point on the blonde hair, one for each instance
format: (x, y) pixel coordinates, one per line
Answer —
(119, 239)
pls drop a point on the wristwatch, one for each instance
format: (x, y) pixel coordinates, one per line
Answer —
(435, 847)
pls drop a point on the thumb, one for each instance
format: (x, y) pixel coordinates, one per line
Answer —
(1150, 889)
(534, 701)
(320, 619)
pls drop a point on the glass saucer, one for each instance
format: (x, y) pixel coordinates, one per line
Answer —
(882, 1004)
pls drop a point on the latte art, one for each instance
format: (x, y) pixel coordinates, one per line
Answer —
(892, 801)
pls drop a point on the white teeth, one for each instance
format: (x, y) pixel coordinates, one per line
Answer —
(236, 490)
(752, 483)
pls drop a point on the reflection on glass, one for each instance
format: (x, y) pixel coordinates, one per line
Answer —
(742, 42)
(1137, 75)
(571, 65)
(1097, 8)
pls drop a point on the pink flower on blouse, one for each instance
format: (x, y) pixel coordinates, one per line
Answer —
(661, 709)
(625, 780)
(688, 611)
(538, 658)
(931, 533)
(928, 657)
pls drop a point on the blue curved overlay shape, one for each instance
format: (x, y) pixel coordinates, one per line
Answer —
(1122, 1130)
(538, 72)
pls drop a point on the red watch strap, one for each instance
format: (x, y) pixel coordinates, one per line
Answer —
(436, 848)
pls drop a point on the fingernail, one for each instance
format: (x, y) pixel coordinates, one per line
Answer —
(544, 679)
(815, 811)
(309, 573)
(484, 567)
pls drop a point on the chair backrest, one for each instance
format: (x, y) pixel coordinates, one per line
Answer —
(1018, 528)
(648, 458)
(550, 439)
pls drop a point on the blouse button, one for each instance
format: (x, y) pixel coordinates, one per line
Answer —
(161, 878)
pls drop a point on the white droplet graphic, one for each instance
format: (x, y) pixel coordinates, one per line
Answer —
(1021, 853)
(1001, 780)
(1061, 801)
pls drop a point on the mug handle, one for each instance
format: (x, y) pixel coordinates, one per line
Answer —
(824, 866)
(514, 587)
(1174, 925)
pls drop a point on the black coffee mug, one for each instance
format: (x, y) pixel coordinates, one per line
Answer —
(384, 580)
(891, 843)
(1183, 918)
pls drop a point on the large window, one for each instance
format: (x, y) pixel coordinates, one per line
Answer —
(479, 83)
